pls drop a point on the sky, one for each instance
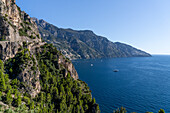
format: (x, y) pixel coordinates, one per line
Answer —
(144, 24)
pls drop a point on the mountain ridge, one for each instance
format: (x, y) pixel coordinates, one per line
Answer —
(84, 44)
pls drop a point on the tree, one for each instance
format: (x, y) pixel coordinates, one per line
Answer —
(0, 95)
(161, 111)
(121, 110)
(32, 105)
(2, 82)
(51, 108)
(1, 65)
(9, 98)
(10, 71)
(18, 100)
(48, 98)
(21, 109)
(78, 109)
(86, 107)
(6, 78)
(62, 89)
(69, 97)
(93, 101)
(42, 97)
(27, 100)
(8, 110)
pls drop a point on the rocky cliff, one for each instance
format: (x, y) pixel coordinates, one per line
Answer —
(19, 31)
(34, 75)
(16, 27)
(84, 44)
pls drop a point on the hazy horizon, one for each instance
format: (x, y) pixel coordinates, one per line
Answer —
(141, 24)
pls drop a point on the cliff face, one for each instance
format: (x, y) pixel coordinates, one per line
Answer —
(15, 27)
(17, 32)
(85, 44)
(35, 76)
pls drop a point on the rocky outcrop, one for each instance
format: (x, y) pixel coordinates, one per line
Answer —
(68, 66)
(15, 27)
(8, 49)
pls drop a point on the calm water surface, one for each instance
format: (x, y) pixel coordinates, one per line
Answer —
(142, 84)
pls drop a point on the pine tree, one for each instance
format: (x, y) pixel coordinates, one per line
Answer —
(9, 98)
(0, 95)
(93, 101)
(161, 111)
(18, 99)
(32, 105)
(48, 98)
(2, 82)
(1, 65)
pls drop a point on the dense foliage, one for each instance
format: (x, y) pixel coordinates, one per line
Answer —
(9, 93)
(60, 93)
(123, 110)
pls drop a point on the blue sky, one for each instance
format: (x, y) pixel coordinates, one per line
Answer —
(144, 24)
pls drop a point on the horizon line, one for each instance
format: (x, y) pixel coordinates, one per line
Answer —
(160, 54)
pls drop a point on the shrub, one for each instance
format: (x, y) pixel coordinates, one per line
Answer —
(22, 32)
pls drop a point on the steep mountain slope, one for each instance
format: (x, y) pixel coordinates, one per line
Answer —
(84, 44)
(35, 76)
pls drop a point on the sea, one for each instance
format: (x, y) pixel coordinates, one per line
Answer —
(140, 84)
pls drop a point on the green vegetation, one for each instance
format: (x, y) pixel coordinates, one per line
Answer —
(9, 94)
(26, 27)
(23, 32)
(58, 94)
(12, 25)
(161, 111)
(17, 64)
(5, 18)
(123, 110)
(68, 94)
(27, 23)
(6, 15)
(19, 9)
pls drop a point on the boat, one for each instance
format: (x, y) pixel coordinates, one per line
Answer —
(116, 70)
(91, 64)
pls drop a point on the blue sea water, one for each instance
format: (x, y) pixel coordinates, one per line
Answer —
(142, 83)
